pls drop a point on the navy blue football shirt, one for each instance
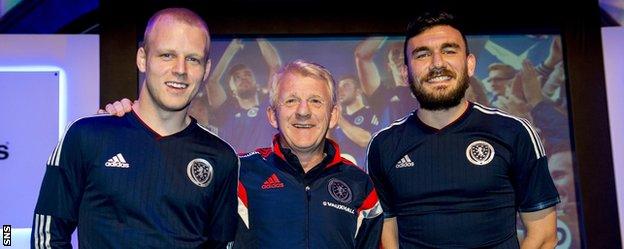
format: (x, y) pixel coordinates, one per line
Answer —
(245, 129)
(460, 186)
(392, 103)
(125, 186)
(363, 118)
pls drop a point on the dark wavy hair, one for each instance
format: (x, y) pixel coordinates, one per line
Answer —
(429, 20)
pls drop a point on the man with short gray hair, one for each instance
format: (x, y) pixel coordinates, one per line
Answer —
(300, 193)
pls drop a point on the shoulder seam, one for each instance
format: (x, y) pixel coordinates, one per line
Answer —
(395, 123)
(249, 154)
(535, 138)
(55, 157)
(238, 162)
(206, 129)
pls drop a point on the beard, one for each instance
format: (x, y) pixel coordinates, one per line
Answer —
(434, 101)
(246, 93)
(347, 101)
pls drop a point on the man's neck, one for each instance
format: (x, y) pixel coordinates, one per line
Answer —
(354, 107)
(247, 103)
(162, 122)
(442, 118)
(308, 159)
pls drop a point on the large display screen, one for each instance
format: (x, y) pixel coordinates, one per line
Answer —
(523, 75)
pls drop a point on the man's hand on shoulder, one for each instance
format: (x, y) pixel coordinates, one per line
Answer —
(118, 108)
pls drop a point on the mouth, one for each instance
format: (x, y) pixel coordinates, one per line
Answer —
(303, 126)
(176, 85)
(439, 75)
(439, 79)
(245, 83)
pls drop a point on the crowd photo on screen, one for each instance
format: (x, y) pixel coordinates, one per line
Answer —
(523, 75)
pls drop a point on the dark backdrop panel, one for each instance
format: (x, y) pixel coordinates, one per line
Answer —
(578, 22)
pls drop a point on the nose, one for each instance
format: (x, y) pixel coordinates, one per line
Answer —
(437, 60)
(179, 68)
(303, 109)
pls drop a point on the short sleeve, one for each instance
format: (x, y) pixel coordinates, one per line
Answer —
(375, 168)
(533, 184)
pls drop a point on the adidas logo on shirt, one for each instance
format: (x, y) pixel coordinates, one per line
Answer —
(404, 162)
(117, 161)
(375, 120)
(272, 182)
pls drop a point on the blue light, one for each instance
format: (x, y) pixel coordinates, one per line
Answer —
(62, 119)
(7, 5)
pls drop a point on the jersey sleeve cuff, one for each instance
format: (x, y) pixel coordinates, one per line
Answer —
(541, 205)
(388, 215)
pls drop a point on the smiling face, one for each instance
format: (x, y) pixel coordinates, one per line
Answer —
(560, 166)
(438, 67)
(498, 82)
(347, 91)
(174, 62)
(395, 55)
(303, 111)
(243, 83)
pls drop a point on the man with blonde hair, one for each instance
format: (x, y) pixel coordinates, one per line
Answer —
(153, 178)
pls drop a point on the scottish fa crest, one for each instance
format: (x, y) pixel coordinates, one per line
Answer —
(252, 112)
(339, 190)
(480, 153)
(200, 172)
(563, 234)
(358, 120)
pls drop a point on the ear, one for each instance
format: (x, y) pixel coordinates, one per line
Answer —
(141, 59)
(334, 116)
(471, 63)
(359, 91)
(207, 72)
(272, 117)
(232, 84)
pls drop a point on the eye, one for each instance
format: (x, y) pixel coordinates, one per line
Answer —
(290, 102)
(316, 102)
(194, 60)
(449, 51)
(166, 56)
(421, 54)
(557, 175)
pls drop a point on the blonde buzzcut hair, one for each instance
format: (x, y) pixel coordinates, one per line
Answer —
(178, 14)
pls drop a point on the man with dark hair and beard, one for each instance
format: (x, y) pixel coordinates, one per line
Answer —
(454, 173)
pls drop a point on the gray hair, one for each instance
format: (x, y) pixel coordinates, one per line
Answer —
(306, 69)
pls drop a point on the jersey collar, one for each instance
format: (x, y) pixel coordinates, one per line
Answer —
(331, 149)
(451, 125)
(135, 119)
